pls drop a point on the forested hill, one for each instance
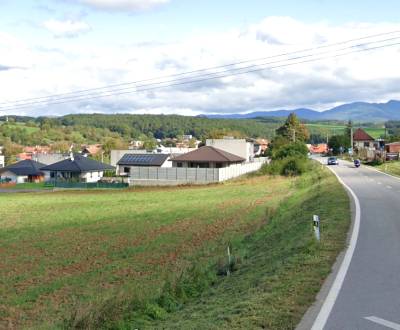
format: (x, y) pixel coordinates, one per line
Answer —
(165, 126)
(121, 128)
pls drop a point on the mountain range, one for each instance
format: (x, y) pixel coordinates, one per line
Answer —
(357, 111)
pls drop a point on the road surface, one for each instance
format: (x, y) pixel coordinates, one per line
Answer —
(369, 297)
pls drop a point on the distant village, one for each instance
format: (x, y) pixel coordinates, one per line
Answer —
(188, 161)
(172, 162)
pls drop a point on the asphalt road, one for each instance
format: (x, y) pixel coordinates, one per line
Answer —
(369, 297)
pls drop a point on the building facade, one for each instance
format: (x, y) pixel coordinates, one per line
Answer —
(238, 147)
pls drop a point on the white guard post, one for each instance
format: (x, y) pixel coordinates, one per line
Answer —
(316, 224)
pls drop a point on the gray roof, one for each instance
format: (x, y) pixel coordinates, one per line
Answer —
(78, 165)
(143, 159)
(24, 168)
(209, 154)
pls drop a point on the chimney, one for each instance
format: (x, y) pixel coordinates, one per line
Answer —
(71, 154)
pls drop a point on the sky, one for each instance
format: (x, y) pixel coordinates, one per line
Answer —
(51, 47)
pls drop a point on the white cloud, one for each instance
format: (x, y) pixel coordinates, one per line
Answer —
(369, 76)
(124, 5)
(66, 28)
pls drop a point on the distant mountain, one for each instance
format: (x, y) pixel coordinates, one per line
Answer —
(357, 111)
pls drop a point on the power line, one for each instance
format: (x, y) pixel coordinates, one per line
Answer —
(216, 76)
(43, 98)
(99, 94)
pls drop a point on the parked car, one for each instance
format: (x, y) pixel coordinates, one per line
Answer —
(333, 161)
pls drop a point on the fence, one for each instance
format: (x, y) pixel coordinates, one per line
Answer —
(87, 185)
(159, 176)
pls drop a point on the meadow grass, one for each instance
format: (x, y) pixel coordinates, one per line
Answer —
(150, 258)
(390, 167)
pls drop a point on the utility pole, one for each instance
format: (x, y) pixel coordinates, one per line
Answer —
(351, 137)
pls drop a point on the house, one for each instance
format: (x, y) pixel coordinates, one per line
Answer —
(136, 144)
(393, 147)
(23, 171)
(116, 155)
(128, 161)
(30, 152)
(77, 168)
(238, 147)
(263, 145)
(362, 140)
(91, 149)
(174, 150)
(207, 157)
(50, 158)
(392, 151)
(321, 148)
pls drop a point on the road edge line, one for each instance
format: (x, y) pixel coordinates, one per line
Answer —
(330, 299)
(379, 171)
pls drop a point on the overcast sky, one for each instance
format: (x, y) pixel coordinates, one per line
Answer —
(57, 46)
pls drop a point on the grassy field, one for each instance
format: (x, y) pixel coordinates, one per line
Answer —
(334, 129)
(375, 132)
(392, 167)
(155, 258)
(29, 129)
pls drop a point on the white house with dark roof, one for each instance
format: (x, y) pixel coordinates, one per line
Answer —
(77, 168)
(23, 171)
(125, 164)
(207, 157)
(238, 147)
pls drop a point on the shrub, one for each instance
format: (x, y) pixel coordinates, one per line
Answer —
(290, 166)
(294, 149)
(294, 166)
(376, 162)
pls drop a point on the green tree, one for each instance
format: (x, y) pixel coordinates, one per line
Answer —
(339, 143)
(149, 144)
(293, 129)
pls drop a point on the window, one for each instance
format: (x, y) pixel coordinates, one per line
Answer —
(179, 165)
(366, 144)
(127, 170)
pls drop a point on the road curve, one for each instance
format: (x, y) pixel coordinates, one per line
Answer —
(369, 297)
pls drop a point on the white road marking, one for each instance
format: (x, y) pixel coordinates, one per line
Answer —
(383, 322)
(389, 187)
(374, 169)
(379, 182)
(330, 300)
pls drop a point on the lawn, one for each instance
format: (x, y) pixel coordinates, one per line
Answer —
(334, 129)
(149, 258)
(29, 129)
(392, 167)
(375, 132)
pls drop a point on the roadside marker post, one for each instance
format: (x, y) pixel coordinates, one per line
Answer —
(228, 272)
(316, 225)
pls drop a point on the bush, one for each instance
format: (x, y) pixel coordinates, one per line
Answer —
(290, 166)
(294, 149)
(294, 166)
(376, 162)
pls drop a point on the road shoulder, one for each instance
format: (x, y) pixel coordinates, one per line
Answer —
(312, 313)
